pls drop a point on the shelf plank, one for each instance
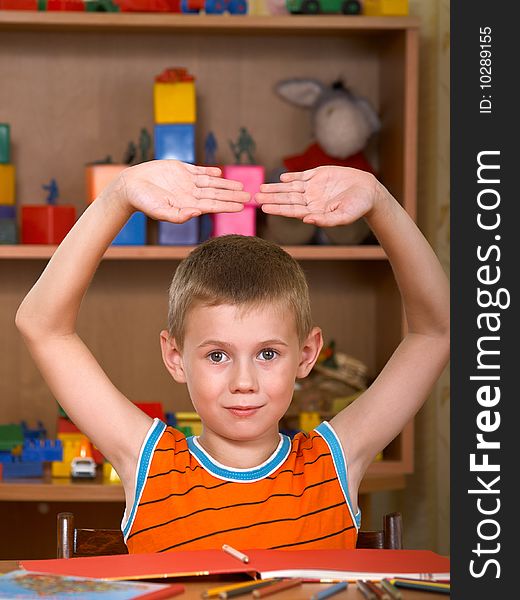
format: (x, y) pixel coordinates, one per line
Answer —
(62, 490)
(41, 252)
(321, 24)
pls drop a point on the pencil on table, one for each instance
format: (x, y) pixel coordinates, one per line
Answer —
(244, 589)
(391, 589)
(381, 594)
(213, 592)
(365, 590)
(276, 586)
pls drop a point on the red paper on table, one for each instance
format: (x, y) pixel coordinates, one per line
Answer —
(306, 564)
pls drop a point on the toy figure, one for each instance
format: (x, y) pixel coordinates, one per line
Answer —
(210, 147)
(145, 142)
(245, 143)
(54, 193)
(130, 153)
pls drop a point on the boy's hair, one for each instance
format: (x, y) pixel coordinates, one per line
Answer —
(242, 271)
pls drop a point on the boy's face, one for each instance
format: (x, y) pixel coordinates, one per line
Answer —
(240, 367)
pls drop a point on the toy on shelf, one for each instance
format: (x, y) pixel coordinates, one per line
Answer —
(215, 7)
(210, 149)
(342, 125)
(314, 7)
(47, 223)
(385, 8)
(23, 451)
(175, 113)
(149, 5)
(245, 144)
(8, 229)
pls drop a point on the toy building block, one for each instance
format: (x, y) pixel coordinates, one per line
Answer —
(46, 224)
(175, 141)
(7, 178)
(38, 433)
(174, 102)
(65, 425)
(10, 436)
(42, 450)
(72, 444)
(385, 8)
(153, 409)
(191, 420)
(68, 5)
(98, 176)
(179, 234)
(243, 222)
(309, 420)
(18, 469)
(110, 474)
(19, 4)
(149, 5)
(5, 143)
(133, 233)
(8, 226)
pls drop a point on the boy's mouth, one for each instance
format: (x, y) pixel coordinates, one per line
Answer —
(243, 411)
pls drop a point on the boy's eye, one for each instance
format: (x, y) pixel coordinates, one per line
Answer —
(268, 354)
(216, 357)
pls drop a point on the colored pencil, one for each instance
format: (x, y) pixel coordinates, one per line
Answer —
(236, 553)
(276, 586)
(421, 584)
(244, 590)
(379, 592)
(213, 592)
(330, 591)
(391, 589)
(365, 590)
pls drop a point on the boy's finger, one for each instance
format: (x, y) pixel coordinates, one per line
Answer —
(286, 210)
(297, 176)
(209, 205)
(291, 186)
(206, 181)
(281, 198)
(325, 219)
(203, 170)
(221, 194)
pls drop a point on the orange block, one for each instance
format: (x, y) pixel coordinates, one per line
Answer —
(98, 177)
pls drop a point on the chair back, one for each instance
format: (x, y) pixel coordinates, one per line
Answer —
(74, 542)
(388, 538)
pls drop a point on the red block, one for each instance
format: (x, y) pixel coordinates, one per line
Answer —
(77, 5)
(46, 224)
(150, 5)
(19, 4)
(66, 426)
(152, 409)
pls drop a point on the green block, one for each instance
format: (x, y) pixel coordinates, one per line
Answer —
(8, 233)
(5, 144)
(10, 436)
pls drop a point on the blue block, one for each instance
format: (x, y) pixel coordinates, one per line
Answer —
(206, 227)
(6, 456)
(42, 450)
(8, 231)
(175, 140)
(7, 211)
(38, 433)
(179, 234)
(18, 469)
(133, 232)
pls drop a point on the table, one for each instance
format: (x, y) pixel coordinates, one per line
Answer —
(195, 589)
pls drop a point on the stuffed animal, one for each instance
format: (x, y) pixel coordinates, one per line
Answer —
(342, 124)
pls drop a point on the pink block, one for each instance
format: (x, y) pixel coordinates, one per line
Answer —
(244, 222)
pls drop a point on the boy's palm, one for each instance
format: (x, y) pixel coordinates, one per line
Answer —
(170, 190)
(325, 196)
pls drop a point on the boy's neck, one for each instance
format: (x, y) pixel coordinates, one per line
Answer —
(238, 454)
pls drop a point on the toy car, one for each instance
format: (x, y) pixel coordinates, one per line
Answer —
(347, 7)
(83, 468)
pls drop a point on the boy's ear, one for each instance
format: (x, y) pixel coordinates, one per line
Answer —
(309, 353)
(172, 357)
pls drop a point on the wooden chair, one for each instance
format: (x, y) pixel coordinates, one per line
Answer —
(74, 542)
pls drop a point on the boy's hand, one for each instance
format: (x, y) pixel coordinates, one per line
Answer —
(171, 190)
(324, 196)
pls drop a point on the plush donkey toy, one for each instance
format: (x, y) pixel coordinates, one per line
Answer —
(342, 124)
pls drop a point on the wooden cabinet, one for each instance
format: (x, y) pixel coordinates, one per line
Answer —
(77, 87)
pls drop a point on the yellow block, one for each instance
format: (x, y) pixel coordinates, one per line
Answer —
(72, 443)
(97, 177)
(7, 174)
(309, 420)
(174, 102)
(385, 8)
(109, 474)
(189, 419)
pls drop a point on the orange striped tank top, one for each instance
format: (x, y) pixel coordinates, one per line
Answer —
(185, 500)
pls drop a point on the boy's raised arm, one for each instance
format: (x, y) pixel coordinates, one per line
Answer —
(329, 196)
(166, 190)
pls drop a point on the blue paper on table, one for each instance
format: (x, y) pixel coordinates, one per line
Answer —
(30, 584)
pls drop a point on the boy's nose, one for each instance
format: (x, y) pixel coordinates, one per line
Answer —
(243, 378)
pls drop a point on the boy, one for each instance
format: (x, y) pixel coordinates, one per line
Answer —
(239, 335)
